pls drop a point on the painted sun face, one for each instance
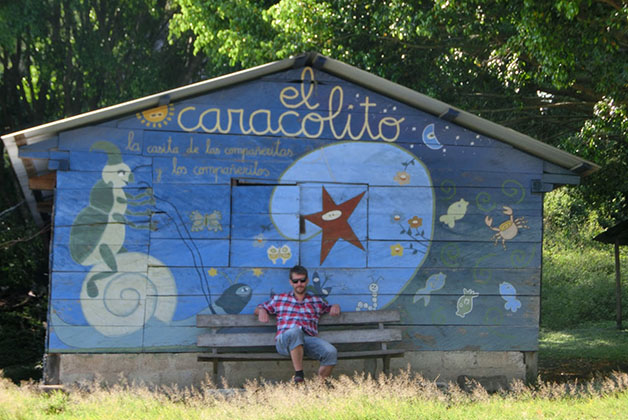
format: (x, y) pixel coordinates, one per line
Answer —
(156, 117)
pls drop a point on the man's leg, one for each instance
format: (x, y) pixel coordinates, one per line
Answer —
(290, 343)
(321, 350)
(296, 355)
(325, 371)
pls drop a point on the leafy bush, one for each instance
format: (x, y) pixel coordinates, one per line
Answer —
(578, 273)
(23, 286)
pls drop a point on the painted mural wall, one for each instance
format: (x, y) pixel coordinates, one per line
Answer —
(202, 206)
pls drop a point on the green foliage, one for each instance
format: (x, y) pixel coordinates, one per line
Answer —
(578, 273)
(55, 403)
(229, 30)
(555, 70)
(60, 58)
(578, 286)
(23, 288)
(568, 221)
(604, 139)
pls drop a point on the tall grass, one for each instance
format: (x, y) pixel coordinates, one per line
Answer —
(579, 286)
(401, 396)
(578, 273)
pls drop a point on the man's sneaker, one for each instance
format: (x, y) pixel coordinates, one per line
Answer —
(298, 380)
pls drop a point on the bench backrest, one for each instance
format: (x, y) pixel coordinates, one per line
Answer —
(370, 328)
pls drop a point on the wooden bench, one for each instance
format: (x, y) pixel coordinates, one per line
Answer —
(350, 332)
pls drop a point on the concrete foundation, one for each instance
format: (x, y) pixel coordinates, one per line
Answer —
(492, 369)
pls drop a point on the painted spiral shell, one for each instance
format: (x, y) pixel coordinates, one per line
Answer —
(130, 297)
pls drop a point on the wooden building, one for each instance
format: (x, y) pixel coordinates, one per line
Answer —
(199, 199)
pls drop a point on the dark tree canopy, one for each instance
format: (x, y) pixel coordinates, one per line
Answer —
(555, 70)
(63, 57)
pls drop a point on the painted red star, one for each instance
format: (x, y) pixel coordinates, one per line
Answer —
(333, 219)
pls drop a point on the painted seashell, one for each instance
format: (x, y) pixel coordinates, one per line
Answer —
(124, 301)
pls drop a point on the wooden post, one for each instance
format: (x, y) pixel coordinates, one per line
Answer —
(617, 285)
(386, 363)
(215, 361)
(385, 359)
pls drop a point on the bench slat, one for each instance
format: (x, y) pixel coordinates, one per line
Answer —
(268, 339)
(345, 318)
(367, 354)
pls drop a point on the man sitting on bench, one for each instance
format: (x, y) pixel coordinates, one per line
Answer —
(297, 325)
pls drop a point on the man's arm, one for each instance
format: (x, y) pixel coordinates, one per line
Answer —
(263, 309)
(326, 308)
(261, 314)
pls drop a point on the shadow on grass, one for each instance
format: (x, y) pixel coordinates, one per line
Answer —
(583, 352)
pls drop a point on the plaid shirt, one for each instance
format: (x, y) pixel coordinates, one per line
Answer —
(292, 313)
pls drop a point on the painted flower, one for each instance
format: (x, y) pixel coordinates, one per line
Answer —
(257, 272)
(402, 178)
(396, 250)
(212, 272)
(415, 222)
(258, 240)
(396, 217)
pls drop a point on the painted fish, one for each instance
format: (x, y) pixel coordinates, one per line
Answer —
(433, 283)
(455, 212)
(509, 294)
(233, 299)
(465, 302)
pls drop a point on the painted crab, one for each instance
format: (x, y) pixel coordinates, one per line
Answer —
(508, 229)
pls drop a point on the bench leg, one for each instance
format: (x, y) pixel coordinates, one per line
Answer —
(370, 366)
(386, 360)
(215, 375)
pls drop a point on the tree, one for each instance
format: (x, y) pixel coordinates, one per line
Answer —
(555, 70)
(63, 57)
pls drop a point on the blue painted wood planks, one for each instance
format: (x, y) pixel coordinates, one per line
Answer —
(202, 206)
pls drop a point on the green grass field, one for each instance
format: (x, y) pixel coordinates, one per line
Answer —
(593, 341)
(402, 396)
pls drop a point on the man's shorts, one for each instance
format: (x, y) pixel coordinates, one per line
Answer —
(314, 347)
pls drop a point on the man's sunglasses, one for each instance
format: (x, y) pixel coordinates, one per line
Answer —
(295, 281)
